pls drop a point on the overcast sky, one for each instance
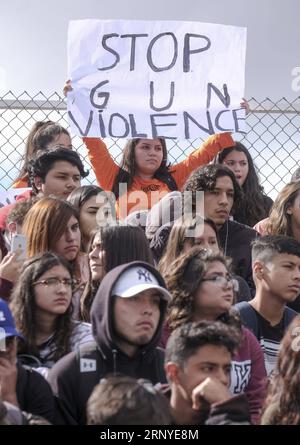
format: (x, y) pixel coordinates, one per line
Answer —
(33, 36)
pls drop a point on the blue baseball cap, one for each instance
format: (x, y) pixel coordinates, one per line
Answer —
(7, 323)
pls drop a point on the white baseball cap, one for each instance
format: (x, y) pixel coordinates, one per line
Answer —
(136, 280)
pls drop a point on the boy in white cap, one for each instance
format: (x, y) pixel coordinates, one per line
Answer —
(127, 316)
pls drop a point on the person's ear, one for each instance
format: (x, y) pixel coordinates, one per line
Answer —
(172, 370)
(258, 269)
(289, 211)
(38, 182)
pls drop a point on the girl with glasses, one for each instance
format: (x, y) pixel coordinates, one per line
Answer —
(203, 288)
(42, 308)
(201, 232)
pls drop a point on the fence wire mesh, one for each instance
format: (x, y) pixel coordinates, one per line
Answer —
(272, 138)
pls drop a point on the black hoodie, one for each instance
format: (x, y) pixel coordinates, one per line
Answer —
(72, 386)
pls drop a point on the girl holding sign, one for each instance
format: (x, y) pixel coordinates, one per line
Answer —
(144, 175)
(42, 308)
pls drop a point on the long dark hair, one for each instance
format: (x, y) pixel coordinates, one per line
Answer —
(128, 171)
(285, 384)
(82, 194)
(183, 280)
(122, 244)
(23, 306)
(253, 207)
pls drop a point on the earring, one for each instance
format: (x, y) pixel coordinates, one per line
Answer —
(289, 212)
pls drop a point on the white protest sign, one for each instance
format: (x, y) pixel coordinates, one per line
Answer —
(155, 79)
(9, 196)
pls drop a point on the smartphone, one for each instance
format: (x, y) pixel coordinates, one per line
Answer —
(19, 242)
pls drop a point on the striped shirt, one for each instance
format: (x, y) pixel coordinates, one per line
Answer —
(269, 338)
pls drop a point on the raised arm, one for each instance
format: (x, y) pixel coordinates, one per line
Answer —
(203, 155)
(104, 166)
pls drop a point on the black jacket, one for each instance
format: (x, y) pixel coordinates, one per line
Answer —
(34, 393)
(234, 411)
(74, 376)
(235, 240)
(241, 214)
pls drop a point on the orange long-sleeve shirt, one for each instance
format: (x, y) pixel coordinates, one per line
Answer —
(20, 183)
(153, 190)
(144, 193)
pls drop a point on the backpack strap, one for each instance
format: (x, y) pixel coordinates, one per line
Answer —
(248, 316)
(22, 383)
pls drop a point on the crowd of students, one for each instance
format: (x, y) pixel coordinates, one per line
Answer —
(153, 283)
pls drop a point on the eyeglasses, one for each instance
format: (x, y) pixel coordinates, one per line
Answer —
(224, 281)
(55, 282)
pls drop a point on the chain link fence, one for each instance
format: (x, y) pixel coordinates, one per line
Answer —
(272, 138)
